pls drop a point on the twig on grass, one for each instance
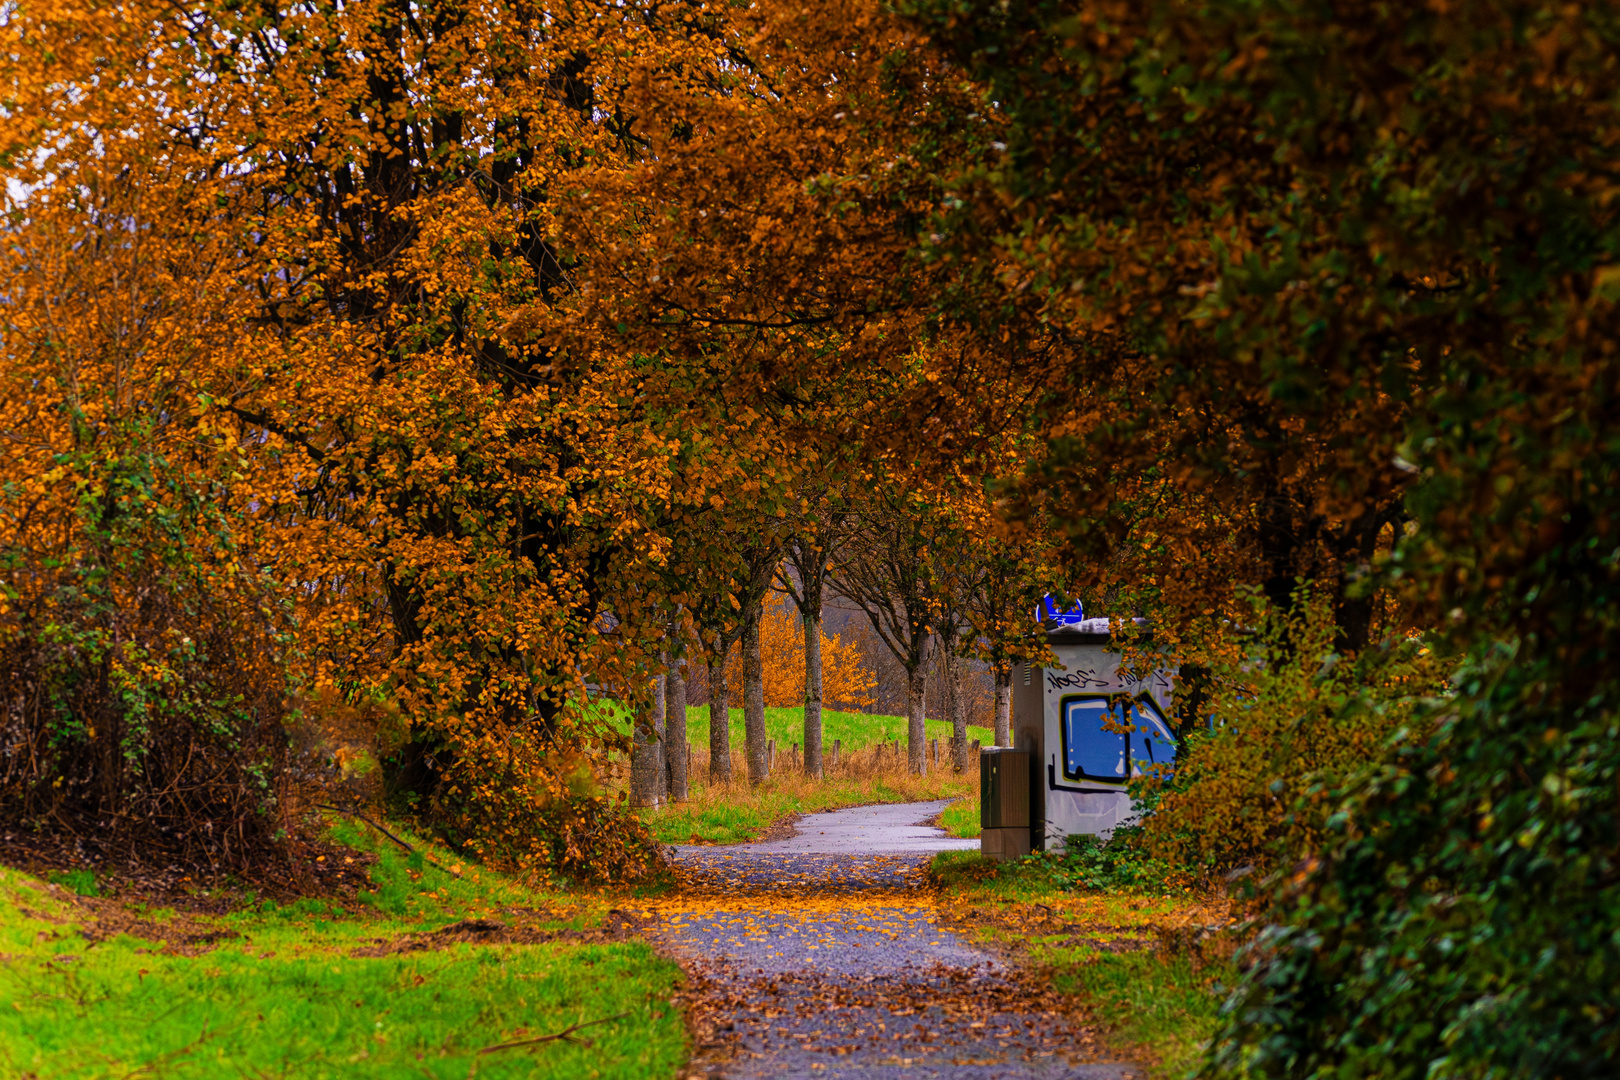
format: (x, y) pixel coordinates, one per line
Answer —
(566, 1033)
(356, 814)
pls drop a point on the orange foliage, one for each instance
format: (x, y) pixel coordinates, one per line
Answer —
(325, 319)
(846, 683)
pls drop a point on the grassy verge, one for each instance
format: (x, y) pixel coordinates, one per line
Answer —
(1109, 929)
(1160, 1008)
(377, 987)
(961, 818)
(734, 813)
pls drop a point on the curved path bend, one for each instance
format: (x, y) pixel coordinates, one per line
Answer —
(822, 955)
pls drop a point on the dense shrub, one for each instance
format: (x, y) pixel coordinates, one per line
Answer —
(530, 804)
(1286, 726)
(143, 678)
(1462, 921)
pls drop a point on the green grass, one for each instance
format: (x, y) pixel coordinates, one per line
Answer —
(1167, 1005)
(407, 887)
(1153, 1005)
(281, 994)
(78, 882)
(739, 813)
(961, 818)
(857, 730)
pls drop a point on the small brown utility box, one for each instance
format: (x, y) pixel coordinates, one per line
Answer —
(1004, 802)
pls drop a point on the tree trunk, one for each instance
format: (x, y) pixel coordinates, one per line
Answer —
(660, 720)
(719, 722)
(1353, 615)
(916, 688)
(1004, 705)
(953, 688)
(1190, 701)
(677, 753)
(812, 694)
(1281, 542)
(754, 737)
(646, 766)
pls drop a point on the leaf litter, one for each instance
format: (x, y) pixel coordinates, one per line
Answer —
(822, 965)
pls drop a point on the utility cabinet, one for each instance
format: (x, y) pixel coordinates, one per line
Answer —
(1088, 729)
(1004, 802)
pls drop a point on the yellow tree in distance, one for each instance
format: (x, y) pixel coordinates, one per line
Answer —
(847, 683)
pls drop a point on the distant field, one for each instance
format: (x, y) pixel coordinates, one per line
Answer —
(857, 730)
(739, 811)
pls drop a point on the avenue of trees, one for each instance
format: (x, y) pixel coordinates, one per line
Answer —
(434, 362)
(934, 583)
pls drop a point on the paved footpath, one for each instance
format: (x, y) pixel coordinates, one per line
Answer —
(822, 956)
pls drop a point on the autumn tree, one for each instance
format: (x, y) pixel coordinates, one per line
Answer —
(1011, 576)
(846, 681)
(986, 582)
(648, 749)
(1327, 294)
(953, 633)
(677, 748)
(379, 181)
(726, 598)
(1294, 293)
(811, 552)
(1357, 264)
(886, 569)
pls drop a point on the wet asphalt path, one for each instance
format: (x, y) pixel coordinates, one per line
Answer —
(822, 956)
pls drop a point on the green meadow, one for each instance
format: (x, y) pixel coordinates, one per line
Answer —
(857, 731)
(375, 988)
(738, 812)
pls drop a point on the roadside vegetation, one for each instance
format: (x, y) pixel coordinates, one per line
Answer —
(870, 769)
(961, 818)
(1144, 955)
(439, 969)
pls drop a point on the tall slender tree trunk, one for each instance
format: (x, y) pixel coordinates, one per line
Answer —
(916, 704)
(660, 747)
(719, 721)
(1281, 540)
(754, 736)
(677, 753)
(812, 692)
(646, 766)
(1353, 615)
(1004, 705)
(953, 688)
